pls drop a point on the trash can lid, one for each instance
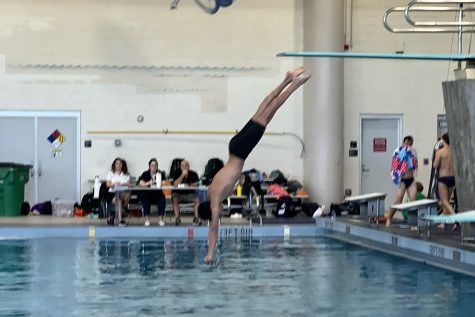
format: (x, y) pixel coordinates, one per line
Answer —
(12, 164)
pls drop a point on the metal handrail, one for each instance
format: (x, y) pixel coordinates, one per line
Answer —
(459, 27)
(460, 9)
(429, 27)
(425, 29)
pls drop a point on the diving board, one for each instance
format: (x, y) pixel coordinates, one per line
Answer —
(418, 211)
(374, 203)
(468, 216)
(404, 56)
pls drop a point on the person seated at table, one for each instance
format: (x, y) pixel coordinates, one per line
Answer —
(188, 178)
(119, 176)
(149, 179)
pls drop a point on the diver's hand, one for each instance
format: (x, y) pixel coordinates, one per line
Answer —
(209, 258)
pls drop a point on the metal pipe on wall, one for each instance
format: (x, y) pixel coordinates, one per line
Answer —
(196, 132)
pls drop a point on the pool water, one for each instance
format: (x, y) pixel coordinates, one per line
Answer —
(259, 277)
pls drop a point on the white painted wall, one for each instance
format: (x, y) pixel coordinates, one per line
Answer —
(183, 69)
(412, 88)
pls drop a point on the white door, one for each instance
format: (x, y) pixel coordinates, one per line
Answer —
(17, 145)
(57, 152)
(380, 135)
(50, 142)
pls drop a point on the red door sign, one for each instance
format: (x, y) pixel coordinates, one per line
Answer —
(379, 145)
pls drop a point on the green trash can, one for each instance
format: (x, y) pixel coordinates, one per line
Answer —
(13, 178)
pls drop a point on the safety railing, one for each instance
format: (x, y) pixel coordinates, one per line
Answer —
(459, 26)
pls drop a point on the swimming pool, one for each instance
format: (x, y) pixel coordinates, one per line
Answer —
(252, 277)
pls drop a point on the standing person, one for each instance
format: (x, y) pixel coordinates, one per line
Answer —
(240, 147)
(149, 179)
(190, 178)
(446, 181)
(404, 167)
(119, 176)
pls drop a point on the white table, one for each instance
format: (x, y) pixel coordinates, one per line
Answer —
(120, 189)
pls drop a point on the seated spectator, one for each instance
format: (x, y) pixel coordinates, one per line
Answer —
(189, 178)
(119, 176)
(148, 179)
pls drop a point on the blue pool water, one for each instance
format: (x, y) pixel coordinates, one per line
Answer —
(259, 277)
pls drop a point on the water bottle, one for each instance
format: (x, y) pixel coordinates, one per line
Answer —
(333, 214)
(239, 190)
(97, 187)
(158, 179)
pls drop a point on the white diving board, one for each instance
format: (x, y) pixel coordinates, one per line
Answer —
(375, 202)
(467, 216)
(418, 211)
(365, 197)
(408, 56)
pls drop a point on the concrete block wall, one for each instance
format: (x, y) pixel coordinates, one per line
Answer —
(181, 70)
(185, 69)
(411, 88)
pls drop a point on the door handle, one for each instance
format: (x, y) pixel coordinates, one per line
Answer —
(39, 168)
(364, 169)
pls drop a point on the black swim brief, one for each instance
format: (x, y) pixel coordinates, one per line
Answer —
(407, 181)
(244, 142)
(447, 180)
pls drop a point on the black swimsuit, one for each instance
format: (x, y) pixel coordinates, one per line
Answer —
(447, 180)
(407, 181)
(244, 142)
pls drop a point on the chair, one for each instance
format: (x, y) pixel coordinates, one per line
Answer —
(104, 202)
(130, 211)
(105, 205)
(212, 167)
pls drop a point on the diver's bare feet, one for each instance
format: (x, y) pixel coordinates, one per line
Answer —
(441, 226)
(301, 79)
(297, 72)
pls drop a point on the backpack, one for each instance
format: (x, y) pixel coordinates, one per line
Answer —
(252, 178)
(24, 209)
(278, 177)
(87, 202)
(351, 208)
(309, 208)
(211, 169)
(293, 186)
(285, 208)
(175, 170)
(45, 208)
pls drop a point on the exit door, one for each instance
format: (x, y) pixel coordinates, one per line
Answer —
(380, 135)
